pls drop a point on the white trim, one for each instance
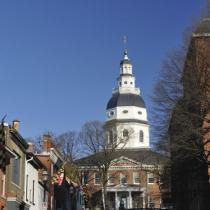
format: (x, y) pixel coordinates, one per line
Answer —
(15, 185)
(126, 188)
(13, 154)
(201, 34)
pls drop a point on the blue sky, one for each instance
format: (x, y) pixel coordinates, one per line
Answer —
(59, 59)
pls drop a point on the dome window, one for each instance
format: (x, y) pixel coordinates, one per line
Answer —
(111, 113)
(141, 136)
(111, 137)
(125, 111)
(139, 112)
(125, 133)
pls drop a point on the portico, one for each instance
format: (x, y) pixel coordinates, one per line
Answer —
(130, 195)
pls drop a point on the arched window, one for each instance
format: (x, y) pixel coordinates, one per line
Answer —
(111, 137)
(125, 133)
(141, 136)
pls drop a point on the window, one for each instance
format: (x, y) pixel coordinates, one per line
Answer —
(85, 177)
(111, 137)
(125, 82)
(16, 171)
(131, 83)
(97, 178)
(125, 133)
(150, 178)
(141, 136)
(111, 179)
(123, 178)
(136, 178)
(111, 113)
(139, 112)
(125, 111)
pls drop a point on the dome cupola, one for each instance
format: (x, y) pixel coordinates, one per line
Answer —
(126, 110)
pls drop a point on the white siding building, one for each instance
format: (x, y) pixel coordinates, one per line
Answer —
(34, 188)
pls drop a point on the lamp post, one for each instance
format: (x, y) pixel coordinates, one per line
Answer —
(71, 191)
(45, 176)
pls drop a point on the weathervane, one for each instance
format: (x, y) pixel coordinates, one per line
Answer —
(125, 41)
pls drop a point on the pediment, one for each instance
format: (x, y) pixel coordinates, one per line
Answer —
(124, 161)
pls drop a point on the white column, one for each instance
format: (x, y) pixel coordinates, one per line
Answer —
(116, 200)
(143, 196)
(130, 200)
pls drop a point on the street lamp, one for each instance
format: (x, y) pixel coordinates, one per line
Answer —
(45, 179)
(71, 192)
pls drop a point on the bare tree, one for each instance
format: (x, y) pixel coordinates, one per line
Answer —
(94, 137)
(181, 109)
(68, 145)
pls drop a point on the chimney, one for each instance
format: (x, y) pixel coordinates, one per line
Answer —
(16, 124)
(47, 142)
(30, 147)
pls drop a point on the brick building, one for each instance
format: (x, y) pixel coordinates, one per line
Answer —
(133, 175)
(51, 158)
(15, 179)
(6, 158)
(189, 127)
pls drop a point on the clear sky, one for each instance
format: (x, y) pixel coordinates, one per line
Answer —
(59, 59)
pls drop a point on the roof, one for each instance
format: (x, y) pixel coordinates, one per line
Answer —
(145, 156)
(203, 27)
(19, 140)
(125, 61)
(127, 99)
(35, 161)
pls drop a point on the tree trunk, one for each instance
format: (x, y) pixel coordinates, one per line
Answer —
(103, 198)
